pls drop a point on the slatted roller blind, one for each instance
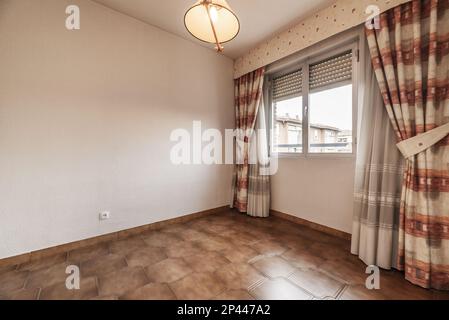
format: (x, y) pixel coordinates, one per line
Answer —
(287, 86)
(331, 71)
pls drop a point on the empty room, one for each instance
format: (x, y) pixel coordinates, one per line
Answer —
(248, 150)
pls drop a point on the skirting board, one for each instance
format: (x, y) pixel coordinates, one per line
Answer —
(312, 225)
(36, 255)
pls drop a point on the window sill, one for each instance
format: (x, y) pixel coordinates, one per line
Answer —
(328, 156)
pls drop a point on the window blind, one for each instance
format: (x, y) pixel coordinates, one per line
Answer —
(331, 71)
(287, 86)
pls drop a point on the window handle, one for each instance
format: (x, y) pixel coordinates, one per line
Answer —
(306, 111)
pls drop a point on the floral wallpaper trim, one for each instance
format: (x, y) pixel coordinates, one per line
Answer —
(339, 17)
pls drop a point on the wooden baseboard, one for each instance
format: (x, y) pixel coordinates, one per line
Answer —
(36, 255)
(312, 225)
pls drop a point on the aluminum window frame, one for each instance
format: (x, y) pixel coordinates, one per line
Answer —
(303, 63)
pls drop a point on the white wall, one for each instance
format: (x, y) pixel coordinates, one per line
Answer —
(317, 190)
(85, 120)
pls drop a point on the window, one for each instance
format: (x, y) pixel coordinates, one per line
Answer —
(287, 113)
(312, 106)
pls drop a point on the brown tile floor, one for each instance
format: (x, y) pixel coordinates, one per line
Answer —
(226, 256)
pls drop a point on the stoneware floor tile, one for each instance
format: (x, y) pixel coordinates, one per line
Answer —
(168, 270)
(126, 246)
(213, 244)
(152, 291)
(121, 282)
(192, 235)
(44, 278)
(269, 247)
(236, 295)
(183, 249)
(216, 228)
(7, 268)
(59, 291)
(145, 257)
(106, 298)
(279, 289)
(161, 239)
(294, 241)
(43, 263)
(206, 262)
(351, 273)
(88, 253)
(360, 292)
(222, 256)
(102, 265)
(393, 286)
(303, 259)
(239, 276)
(274, 267)
(240, 237)
(12, 281)
(240, 253)
(329, 251)
(318, 283)
(25, 294)
(198, 286)
(440, 295)
(261, 233)
(199, 225)
(174, 228)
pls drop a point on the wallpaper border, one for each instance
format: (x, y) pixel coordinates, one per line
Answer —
(312, 30)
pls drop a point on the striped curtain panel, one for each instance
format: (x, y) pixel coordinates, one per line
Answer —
(378, 179)
(410, 56)
(259, 192)
(248, 92)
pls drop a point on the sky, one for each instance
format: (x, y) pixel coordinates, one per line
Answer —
(331, 107)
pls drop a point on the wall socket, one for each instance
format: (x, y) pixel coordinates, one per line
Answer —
(105, 215)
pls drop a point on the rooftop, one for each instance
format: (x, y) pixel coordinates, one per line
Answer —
(312, 125)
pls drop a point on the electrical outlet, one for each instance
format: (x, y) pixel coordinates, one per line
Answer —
(105, 215)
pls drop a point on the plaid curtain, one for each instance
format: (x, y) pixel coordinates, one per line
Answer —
(410, 56)
(248, 95)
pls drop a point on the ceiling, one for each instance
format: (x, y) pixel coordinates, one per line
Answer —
(259, 19)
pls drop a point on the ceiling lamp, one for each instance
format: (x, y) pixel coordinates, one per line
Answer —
(212, 21)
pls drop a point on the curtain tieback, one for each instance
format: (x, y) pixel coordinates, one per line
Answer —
(422, 142)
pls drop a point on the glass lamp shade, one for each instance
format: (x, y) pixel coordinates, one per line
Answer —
(212, 21)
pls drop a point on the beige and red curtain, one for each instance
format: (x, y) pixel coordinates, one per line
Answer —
(248, 92)
(410, 56)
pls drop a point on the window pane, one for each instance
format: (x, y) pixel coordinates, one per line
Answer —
(330, 119)
(287, 123)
